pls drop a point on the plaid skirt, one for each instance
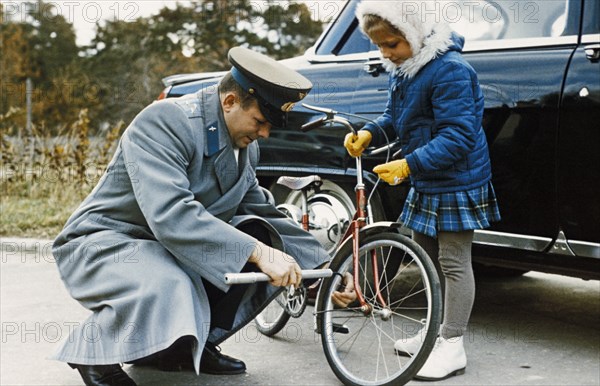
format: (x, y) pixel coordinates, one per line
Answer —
(450, 212)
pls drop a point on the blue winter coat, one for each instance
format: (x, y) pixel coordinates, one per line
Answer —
(437, 116)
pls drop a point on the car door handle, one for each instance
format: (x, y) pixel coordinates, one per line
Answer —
(374, 67)
(592, 52)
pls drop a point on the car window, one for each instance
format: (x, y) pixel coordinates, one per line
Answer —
(591, 18)
(476, 20)
(343, 36)
(506, 19)
(356, 42)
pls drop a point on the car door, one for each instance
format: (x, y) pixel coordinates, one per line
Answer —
(579, 144)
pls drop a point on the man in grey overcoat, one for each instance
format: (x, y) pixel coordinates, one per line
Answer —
(178, 207)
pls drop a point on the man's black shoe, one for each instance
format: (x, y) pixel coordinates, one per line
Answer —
(103, 375)
(213, 362)
(178, 357)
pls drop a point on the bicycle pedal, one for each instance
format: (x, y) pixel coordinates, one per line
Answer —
(340, 328)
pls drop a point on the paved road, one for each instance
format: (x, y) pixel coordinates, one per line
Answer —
(534, 330)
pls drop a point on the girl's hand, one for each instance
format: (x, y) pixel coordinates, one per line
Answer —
(343, 299)
(357, 143)
(393, 172)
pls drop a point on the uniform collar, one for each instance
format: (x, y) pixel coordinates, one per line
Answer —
(215, 130)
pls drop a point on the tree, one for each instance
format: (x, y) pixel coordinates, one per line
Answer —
(128, 59)
(290, 29)
(280, 29)
(120, 71)
(41, 47)
(13, 61)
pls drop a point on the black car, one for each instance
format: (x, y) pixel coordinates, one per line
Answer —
(538, 65)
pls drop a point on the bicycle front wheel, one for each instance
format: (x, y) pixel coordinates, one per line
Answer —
(359, 345)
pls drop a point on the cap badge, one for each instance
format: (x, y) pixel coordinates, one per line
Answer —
(287, 107)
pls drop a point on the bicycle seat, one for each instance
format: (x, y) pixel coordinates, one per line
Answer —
(298, 183)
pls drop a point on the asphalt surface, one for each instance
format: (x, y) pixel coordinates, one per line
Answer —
(537, 329)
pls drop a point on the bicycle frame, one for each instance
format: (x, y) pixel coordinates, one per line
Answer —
(362, 216)
(359, 221)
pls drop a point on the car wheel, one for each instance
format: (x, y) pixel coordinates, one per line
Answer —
(330, 209)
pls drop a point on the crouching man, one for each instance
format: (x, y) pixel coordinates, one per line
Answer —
(178, 207)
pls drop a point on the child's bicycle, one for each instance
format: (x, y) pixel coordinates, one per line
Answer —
(398, 294)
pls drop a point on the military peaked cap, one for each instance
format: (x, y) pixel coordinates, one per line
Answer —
(276, 87)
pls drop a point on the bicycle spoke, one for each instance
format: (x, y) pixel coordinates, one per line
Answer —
(403, 299)
(363, 353)
(354, 336)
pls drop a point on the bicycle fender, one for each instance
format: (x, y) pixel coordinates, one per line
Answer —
(377, 227)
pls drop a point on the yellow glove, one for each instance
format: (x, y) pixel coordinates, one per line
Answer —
(393, 172)
(357, 143)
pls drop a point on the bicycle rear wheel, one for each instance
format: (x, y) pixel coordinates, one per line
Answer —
(274, 317)
(360, 347)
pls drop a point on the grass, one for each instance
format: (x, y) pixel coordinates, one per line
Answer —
(36, 217)
(45, 178)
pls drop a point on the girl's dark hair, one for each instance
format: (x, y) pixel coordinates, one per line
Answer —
(228, 84)
(373, 22)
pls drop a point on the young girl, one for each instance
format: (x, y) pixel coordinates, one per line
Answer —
(435, 108)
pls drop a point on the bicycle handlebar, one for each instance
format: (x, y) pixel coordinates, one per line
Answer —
(331, 117)
(324, 110)
(313, 124)
(253, 277)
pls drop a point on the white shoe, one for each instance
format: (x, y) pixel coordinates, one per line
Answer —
(448, 358)
(409, 346)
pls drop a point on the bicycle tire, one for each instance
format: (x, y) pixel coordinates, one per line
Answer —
(360, 348)
(274, 317)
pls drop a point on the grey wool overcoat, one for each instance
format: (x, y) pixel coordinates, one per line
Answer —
(161, 219)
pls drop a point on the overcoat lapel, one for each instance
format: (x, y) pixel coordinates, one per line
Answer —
(233, 180)
(226, 170)
(233, 195)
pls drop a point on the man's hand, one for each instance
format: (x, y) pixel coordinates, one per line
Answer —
(357, 143)
(343, 299)
(393, 172)
(281, 267)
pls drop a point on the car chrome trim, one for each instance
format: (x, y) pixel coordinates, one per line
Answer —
(590, 38)
(564, 246)
(358, 57)
(585, 248)
(505, 44)
(561, 246)
(183, 78)
(472, 46)
(511, 240)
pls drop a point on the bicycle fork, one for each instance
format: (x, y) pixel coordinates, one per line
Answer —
(358, 222)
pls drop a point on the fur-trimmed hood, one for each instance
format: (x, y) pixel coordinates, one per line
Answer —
(427, 37)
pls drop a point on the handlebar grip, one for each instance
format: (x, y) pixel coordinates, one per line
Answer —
(253, 277)
(313, 125)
